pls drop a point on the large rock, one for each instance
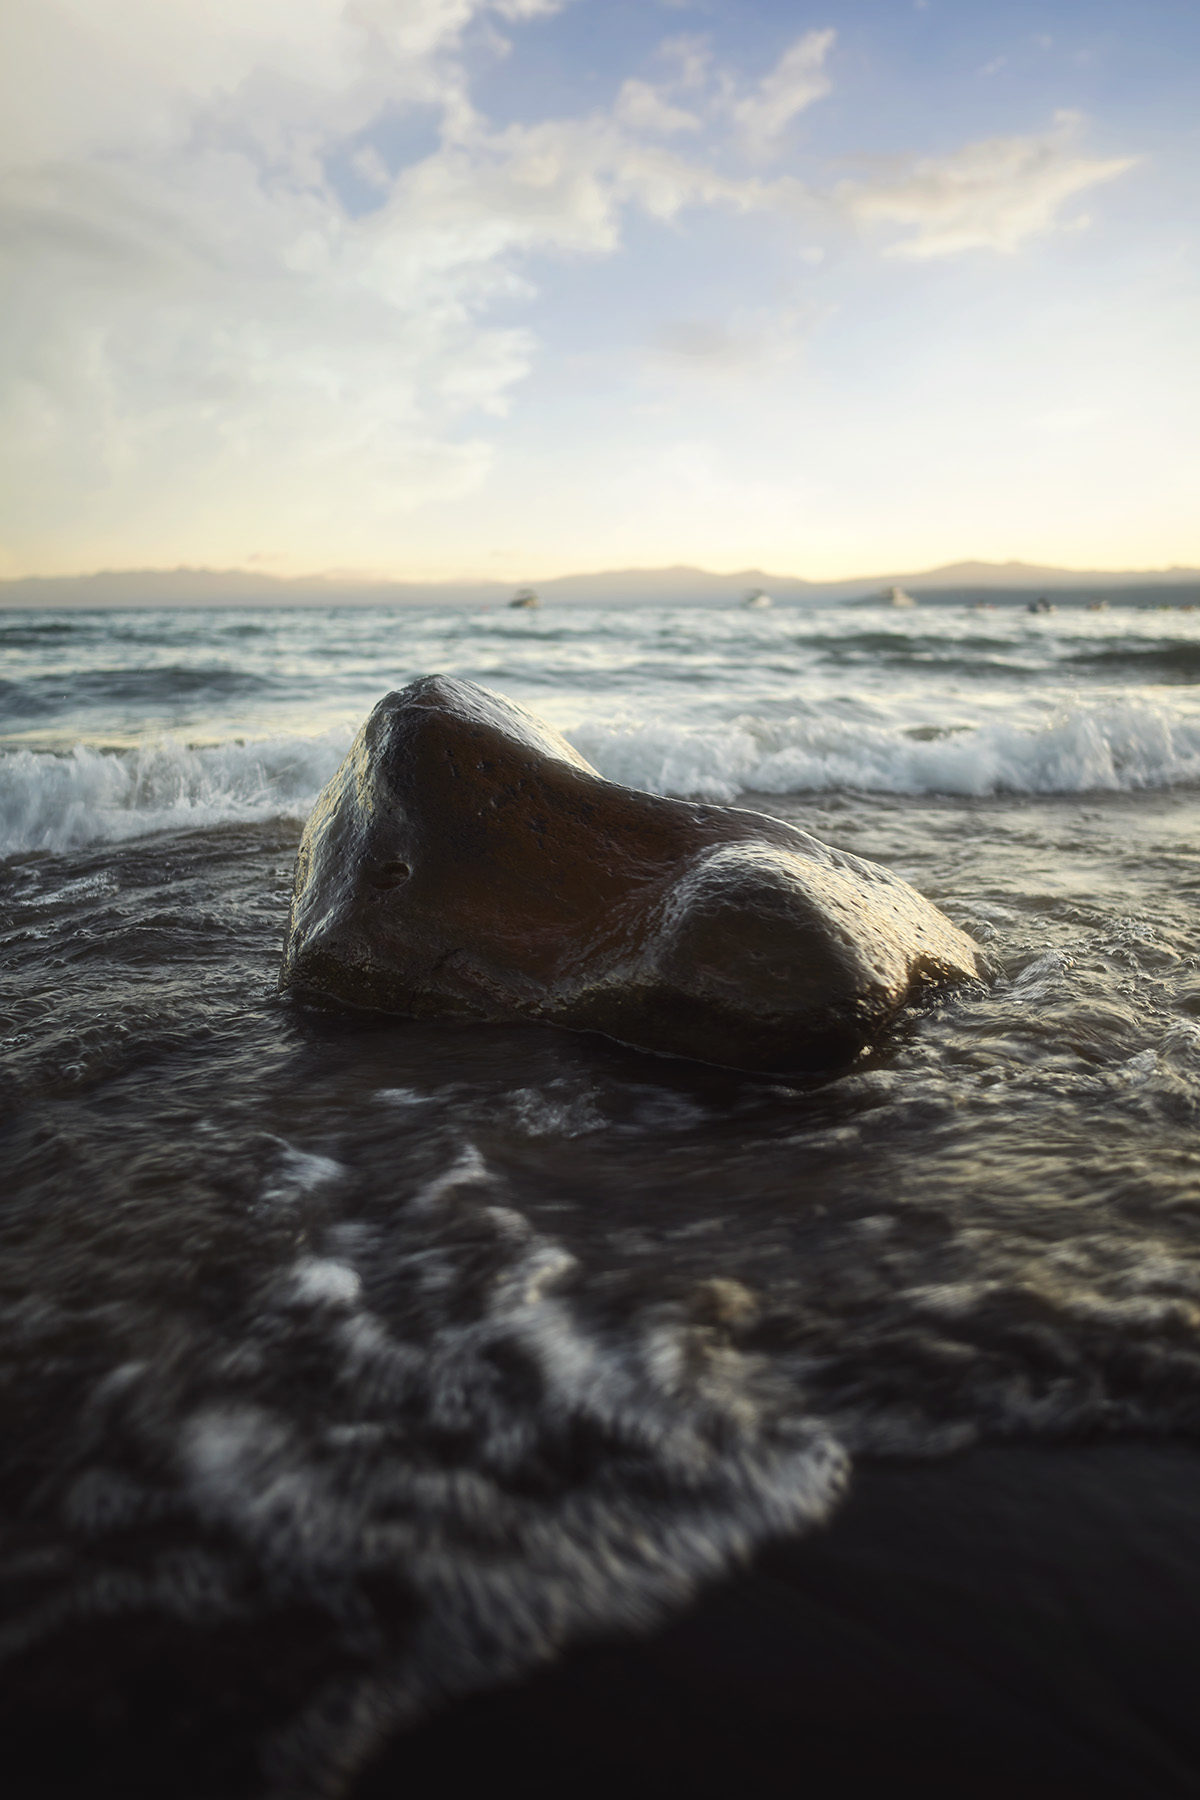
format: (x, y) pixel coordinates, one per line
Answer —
(465, 862)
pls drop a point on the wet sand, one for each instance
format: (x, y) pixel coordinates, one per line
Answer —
(1013, 1621)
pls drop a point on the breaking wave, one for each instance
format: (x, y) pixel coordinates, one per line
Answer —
(1083, 749)
(50, 801)
(53, 801)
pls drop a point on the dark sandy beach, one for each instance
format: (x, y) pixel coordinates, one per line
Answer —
(1014, 1621)
(1011, 1621)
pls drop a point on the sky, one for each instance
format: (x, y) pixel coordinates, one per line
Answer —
(429, 289)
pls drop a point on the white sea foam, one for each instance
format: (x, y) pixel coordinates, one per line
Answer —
(297, 1175)
(52, 801)
(323, 1281)
(599, 1489)
(1085, 748)
(539, 1114)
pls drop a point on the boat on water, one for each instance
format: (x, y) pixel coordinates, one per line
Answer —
(525, 598)
(896, 596)
(757, 600)
(1040, 605)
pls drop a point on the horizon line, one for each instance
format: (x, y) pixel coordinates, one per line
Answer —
(369, 578)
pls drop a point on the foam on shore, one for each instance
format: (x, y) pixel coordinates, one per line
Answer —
(58, 801)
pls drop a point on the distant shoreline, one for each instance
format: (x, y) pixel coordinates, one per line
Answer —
(955, 584)
(79, 596)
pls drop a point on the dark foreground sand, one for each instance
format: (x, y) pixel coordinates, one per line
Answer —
(1017, 1622)
(1013, 1622)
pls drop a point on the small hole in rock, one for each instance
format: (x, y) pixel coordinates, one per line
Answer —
(390, 875)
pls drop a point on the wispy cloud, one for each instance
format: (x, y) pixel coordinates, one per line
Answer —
(752, 341)
(990, 195)
(644, 107)
(763, 114)
(756, 113)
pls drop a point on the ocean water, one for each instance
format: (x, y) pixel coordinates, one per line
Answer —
(374, 1363)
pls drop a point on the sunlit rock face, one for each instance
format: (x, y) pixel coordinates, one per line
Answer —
(465, 862)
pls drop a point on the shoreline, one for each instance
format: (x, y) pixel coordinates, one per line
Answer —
(1014, 1620)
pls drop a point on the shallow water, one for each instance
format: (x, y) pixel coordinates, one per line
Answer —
(417, 1353)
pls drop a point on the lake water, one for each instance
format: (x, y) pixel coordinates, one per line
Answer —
(401, 1357)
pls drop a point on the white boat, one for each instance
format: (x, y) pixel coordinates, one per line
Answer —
(896, 596)
(757, 600)
(526, 598)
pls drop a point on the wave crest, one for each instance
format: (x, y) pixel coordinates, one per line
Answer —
(1111, 747)
(52, 801)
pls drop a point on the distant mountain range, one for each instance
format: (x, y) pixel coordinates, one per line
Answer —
(674, 586)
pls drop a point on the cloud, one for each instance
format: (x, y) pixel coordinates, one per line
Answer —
(263, 262)
(763, 114)
(991, 195)
(191, 316)
(137, 74)
(752, 342)
(520, 10)
(202, 346)
(368, 164)
(689, 57)
(758, 113)
(645, 108)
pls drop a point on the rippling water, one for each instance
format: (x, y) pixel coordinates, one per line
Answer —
(117, 724)
(386, 1360)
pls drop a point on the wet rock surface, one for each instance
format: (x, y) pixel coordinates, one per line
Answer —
(465, 862)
